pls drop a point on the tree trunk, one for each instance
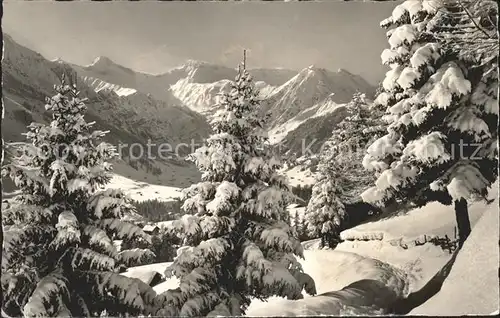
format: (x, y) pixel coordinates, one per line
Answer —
(463, 222)
(323, 241)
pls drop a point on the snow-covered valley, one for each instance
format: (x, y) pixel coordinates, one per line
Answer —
(397, 252)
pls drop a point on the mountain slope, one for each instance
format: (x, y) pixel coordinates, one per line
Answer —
(103, 72)
(309, 137)
(292, 100)
(310, 87)
(28, 78)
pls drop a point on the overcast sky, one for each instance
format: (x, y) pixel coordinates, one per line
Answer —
(156, 36)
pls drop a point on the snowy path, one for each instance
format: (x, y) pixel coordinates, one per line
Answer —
(347, 283)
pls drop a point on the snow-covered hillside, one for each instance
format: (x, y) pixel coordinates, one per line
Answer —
(200, 97)
(194, 84)
(141, 191)
(203, 97)
(299, 176)
(404, 240)
(100, 85)
(325, 107)
(28, 78)
(291, 98)
(154, 119)
(377, 265)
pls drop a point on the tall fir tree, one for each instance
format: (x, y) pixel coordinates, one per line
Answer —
(325, 212)
(343, 152)
(58, 254)
(441, 143)
(238, 244)
(341, 177)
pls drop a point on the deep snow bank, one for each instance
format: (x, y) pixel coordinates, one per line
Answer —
(472, 286)
(399, 240)
(349, 284)
(373, 285)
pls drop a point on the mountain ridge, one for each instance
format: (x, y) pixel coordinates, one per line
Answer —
(186, 96)
(28, 78)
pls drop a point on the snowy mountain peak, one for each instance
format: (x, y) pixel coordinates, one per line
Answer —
(101, 61)
(313, 87)
(311, 74)
(190, 66)
(344, 71)
(313, 71)
(195, 71)
(103, 64)
(58, 60)
(194, 63)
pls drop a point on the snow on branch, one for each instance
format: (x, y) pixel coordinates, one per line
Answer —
(98, 237)
(51, 286)
(135, 256)
(122, 230)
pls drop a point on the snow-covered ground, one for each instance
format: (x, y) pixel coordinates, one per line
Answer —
(141, 191)
(472, 286)
(332, 271)
(367, 273)
(349, 268)
(434, 219)
(383, 240)
(299, 175)
(388, 256)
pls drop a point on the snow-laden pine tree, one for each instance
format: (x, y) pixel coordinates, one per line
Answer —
(345, 149)
(470, 28)
(441, 143)
(340, 176)
(238, 245)
(325, 212)
(58, 254)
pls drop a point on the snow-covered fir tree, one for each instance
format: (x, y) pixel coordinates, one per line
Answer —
(325, 211)
(343, 152)
(340, 175)
(238, 244)
(441, 143)
(58, 254)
